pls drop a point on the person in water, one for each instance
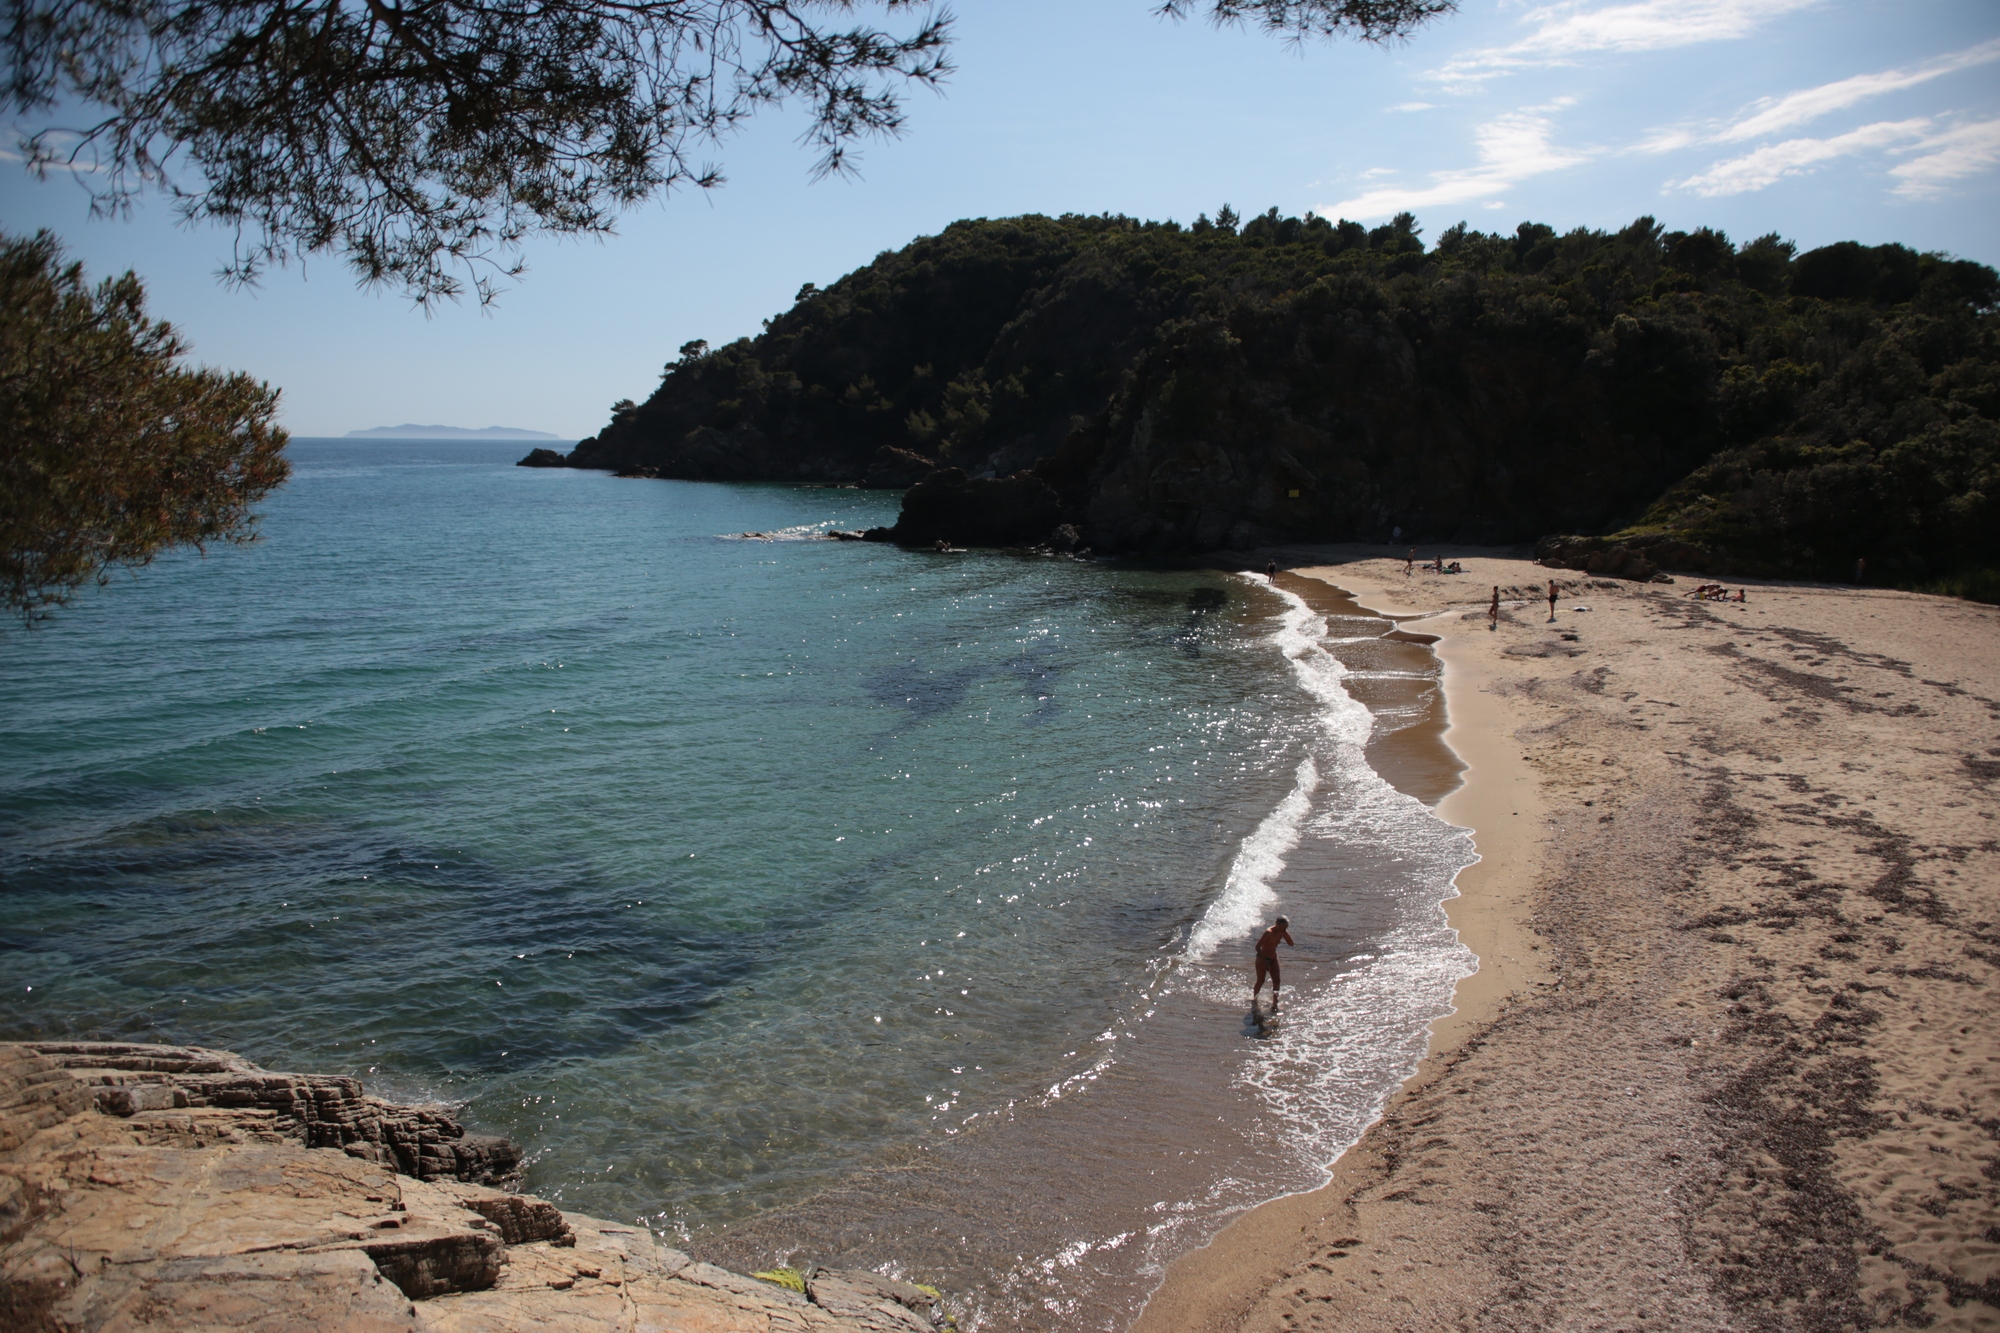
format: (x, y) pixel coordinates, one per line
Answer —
(1267, 959)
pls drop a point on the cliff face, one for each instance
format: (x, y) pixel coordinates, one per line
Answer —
(1191, 389)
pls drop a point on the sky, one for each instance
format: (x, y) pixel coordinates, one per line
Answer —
(1820, 120)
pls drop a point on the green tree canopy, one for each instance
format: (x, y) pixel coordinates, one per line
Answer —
(110, 450)
(1313, 379)
(423, 140)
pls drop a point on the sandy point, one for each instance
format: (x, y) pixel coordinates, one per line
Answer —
(1729, 1060)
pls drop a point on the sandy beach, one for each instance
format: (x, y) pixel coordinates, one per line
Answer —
(1729, 1060)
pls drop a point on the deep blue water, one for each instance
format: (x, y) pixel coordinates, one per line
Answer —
(716, 870)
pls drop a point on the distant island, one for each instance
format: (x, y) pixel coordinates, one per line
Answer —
(407, 431)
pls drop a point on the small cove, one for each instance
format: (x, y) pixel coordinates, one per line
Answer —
(795, 898)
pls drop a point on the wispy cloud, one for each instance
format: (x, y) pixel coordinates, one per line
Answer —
(1512, 148)
(1772, 163)
(1794, 109)
(84, 168)
(1413, 106)
(1964, 151)
(1773, 115)
(1562, 33)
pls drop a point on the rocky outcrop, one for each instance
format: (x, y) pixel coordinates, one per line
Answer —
(543, 458)
(1637, 558)
(895, 469)
(1020, 510)
(166, 1187)
(316, 1110)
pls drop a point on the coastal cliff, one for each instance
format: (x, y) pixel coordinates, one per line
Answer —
(1161, 388)
(171, 1187)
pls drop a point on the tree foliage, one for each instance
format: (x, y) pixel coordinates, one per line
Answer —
(1306, 378)
(423, 140)
(110, 450)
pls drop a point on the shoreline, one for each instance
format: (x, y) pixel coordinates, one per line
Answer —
(1206, 1287)
(1629, 1122)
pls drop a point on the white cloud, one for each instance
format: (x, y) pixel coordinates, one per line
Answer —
(1563, 32)
(1512, 148)
(1413, 106)
(1812, 103)
(84, 168)
(1772, 115)
(1774, 162)
(1964, 151)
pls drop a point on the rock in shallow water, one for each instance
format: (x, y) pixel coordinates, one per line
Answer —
(1020, 510)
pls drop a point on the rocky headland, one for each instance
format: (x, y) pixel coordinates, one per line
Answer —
(171, 1187)
(1674, 397)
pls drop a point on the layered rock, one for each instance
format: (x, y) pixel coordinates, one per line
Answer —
(165, 1187)
(316, 1110)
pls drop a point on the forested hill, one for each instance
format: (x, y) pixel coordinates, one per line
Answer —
(1177, 388)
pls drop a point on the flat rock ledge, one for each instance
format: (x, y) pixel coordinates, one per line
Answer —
(172, 1187)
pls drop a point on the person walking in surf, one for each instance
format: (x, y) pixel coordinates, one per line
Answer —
(1267, 959)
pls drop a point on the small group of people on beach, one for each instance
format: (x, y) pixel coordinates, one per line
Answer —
(1715, 592)
(1436, 565)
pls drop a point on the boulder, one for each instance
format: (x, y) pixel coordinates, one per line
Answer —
(543, 458)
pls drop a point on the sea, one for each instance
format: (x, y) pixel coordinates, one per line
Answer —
(805, 901)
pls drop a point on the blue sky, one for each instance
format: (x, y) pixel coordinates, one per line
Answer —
(1821, 120)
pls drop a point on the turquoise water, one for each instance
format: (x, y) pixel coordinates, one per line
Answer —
(724, 873)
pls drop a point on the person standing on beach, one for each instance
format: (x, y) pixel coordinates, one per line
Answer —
(1271, 570)
(1860, 571)
(1410, 563)
(1493, 611)
(1267, 959)
(1552, 599)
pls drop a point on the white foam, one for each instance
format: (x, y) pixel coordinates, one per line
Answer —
(1247, 893)
(1348, 1044)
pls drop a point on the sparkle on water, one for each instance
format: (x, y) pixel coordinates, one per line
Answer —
(718, 870)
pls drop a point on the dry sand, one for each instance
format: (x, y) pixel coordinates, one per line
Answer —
(1730, 1060)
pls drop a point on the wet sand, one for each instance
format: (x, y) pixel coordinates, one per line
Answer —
(1730, 1058)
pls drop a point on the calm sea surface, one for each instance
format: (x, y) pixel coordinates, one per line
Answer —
(804, 900)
